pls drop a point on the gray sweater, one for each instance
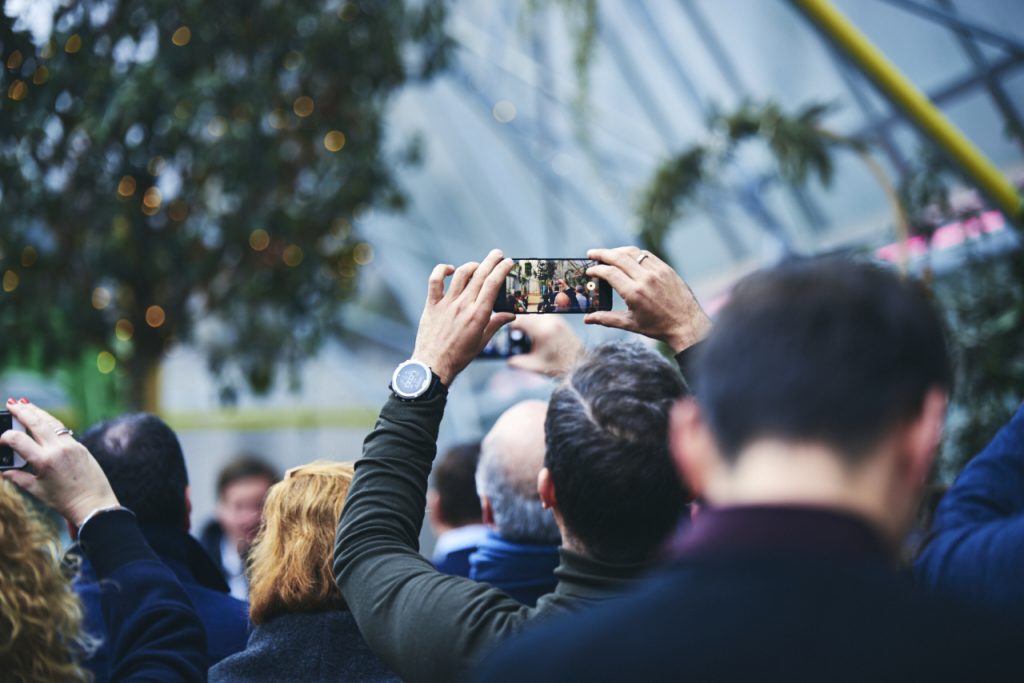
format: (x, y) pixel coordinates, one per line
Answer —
(304, 648)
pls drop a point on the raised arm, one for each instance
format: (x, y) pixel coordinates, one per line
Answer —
(425, 625)
(153, 630)
(976, 549)
(659, 303)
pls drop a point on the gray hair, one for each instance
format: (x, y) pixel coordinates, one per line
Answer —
(518, 514)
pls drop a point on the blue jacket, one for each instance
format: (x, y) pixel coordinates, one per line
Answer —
(976, 551)
(152, 633)
(525, 571)
(224, 618)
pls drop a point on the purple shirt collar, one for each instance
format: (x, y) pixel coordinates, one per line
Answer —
(778, 529)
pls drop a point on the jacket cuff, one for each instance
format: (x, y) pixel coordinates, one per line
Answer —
(686, 361)
(112, 540)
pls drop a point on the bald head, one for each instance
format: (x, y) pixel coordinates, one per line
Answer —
(511, 457)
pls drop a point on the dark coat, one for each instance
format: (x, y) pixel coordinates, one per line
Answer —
(304, 648)
(151, 631)
(976, 551)
(765, 609)
(225, 619)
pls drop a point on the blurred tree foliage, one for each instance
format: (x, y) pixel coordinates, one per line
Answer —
(187, 170)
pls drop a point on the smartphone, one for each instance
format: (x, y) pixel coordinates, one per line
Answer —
(507, 343)
(9, 460)
(553, 285)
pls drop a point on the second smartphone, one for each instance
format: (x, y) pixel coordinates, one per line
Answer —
(553, 285)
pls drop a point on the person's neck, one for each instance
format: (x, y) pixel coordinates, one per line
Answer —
(777, 473)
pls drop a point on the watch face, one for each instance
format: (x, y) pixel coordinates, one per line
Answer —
(412, 379)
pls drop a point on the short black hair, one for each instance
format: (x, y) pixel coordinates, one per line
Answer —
(245, 466)
(826, 350)
(455, 483)
(606, 436)
(142, 459)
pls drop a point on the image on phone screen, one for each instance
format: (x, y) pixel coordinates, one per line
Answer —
(553, 285)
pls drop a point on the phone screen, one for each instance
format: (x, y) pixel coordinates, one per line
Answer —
(8, 458)
(553, 285)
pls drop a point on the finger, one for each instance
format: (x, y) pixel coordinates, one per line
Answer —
(491, 285)
(622, 320)
(42, 425)
(495, 323)
(24, 444)
(619, 281)
(486, 268)
(462, 276)
(524, 361)
(23, 480)
(623, 257)
(435, 283)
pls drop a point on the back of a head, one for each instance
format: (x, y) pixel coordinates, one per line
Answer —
(41, 636)
(511, 457)
(142, 459)
(290, 563)
(455, 483)
(824, 351)
(607, 451)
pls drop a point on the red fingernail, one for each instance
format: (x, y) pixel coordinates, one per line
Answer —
(11, 400)
(23, 400)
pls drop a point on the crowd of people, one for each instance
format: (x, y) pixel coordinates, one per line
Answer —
(738, 513)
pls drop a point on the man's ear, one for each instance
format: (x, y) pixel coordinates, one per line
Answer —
(693, 447)
(487, 510)
(188, 508)
(434, 509)
(922, 436)
(546, 489)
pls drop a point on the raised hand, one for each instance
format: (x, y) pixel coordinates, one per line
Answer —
(555, 347)
(67, 477)
(659, 303)
(456, 324)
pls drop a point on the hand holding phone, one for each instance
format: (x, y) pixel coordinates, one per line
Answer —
(660, 305)
(555, 345)
(552, 285)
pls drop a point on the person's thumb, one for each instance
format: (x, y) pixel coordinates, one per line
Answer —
(622, 320)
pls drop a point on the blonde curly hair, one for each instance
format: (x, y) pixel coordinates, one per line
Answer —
(41, 636)
(290, 562)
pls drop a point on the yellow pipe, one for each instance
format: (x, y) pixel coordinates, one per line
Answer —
(914, 104)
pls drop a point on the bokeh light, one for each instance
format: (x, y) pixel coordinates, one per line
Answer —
(151, 201)
(11, 281)
(155, 316)
(100, 298)
(126, 188)
(259, 239)
(334, 141)
(105, 362)
(18, 91)
(362, 253)
(40, 75)
(124, 329)
(504, 111)
(303, 106)
(74, 44)
(29, 256)
(292, 255)
(14, 60)
(182, 37)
